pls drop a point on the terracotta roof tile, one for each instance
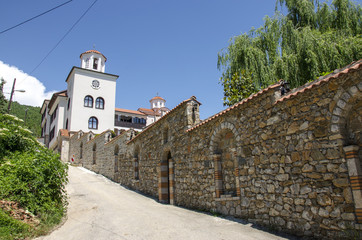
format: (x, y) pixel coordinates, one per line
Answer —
(129, 111)
(64, 132)
(234, 106)
(54, 97)
(149, 112)
(157, 98)
(336, 74)
(93, 51)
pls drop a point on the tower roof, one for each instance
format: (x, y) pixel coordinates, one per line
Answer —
(93, 51)
(157, 98)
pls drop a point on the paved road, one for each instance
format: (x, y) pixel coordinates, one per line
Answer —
(101, 209)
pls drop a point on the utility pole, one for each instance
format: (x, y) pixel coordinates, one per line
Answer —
(26, 113)
(11, 95)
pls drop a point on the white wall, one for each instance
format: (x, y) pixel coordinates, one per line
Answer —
(81, 86)
(59, 122)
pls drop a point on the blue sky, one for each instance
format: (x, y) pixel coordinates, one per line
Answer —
(155, 46)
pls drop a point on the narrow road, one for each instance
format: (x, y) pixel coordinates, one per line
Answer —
(101, 209)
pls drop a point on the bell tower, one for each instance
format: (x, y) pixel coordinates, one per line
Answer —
(93, 60)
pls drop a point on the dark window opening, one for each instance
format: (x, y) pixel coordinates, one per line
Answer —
(95, 64)
(93, 123)
(51, 135)
(88, 101)
(100, 103)
(125, 119)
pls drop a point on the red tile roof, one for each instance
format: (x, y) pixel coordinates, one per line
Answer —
(163, 117)
(93, 51)
(149, 112)
(64, 132)
(157, 98)
(54, 97)
(129, 111)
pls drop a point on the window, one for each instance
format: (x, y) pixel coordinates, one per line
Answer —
(125, 119)
(51, 135)
(87, 63)
(54, 115)
(88, 101)
(95, 64)
(68, 104)
(93, 123)
(66, 125)
(100, 103)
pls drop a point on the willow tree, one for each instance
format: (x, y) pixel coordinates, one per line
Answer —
(312, 38)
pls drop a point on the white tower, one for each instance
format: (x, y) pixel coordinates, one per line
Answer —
(93, 60)
(91, 95)
(157, 102)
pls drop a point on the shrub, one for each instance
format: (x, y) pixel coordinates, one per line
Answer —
(30, 174)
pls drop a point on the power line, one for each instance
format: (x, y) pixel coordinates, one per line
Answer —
(35, 17)
(56, 45)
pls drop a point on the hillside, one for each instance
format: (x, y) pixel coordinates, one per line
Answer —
(33, 117)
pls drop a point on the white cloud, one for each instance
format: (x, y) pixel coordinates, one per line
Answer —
(34, 94)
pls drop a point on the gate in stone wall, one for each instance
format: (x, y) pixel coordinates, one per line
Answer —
(166, 180)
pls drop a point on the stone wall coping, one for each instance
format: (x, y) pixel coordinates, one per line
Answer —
(251, 97)
(192, 98)
(117, 137)
(336, 74)
(97, 136)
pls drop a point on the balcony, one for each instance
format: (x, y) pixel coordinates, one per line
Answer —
(129, 124)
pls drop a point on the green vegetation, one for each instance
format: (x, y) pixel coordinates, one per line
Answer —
(2, 97)
(30, 175)
(312, 38)
(33, 117)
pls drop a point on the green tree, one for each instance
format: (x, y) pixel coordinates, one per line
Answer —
(3, 101)
(310, 39)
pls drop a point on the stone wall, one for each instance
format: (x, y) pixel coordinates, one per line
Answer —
(289, 162)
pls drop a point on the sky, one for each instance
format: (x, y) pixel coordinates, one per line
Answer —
(163, 47)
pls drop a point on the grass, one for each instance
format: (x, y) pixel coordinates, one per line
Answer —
(11, 228)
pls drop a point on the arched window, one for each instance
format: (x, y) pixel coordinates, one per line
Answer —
(95, 64)
(88, 101)
(100, 103)
(66, 125)
(93, 123)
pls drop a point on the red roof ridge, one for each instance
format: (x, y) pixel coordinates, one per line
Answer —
(336, 74)
(129, 111)
(233, 106)
(157, 97)
(94, 51)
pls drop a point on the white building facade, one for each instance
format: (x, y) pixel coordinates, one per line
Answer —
(88, 104)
